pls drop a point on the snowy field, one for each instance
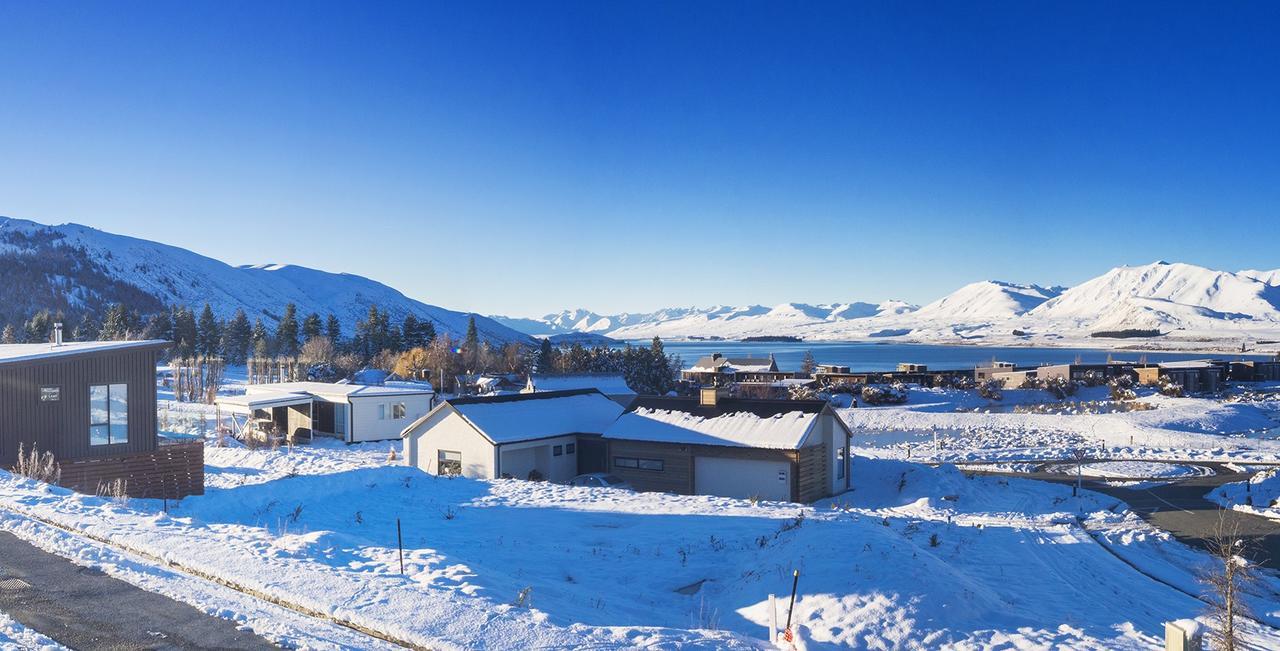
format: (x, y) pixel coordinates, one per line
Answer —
(968, 428)
(913, 557)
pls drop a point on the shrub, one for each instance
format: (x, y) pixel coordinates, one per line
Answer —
(40, 467)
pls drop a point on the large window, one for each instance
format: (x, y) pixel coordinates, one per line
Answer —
(108, 414)
(397, 411)
(638, 464)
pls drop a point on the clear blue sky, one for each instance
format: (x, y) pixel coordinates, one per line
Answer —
(525, 157)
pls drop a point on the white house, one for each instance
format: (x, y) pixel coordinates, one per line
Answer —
(513, 435)
(355, 413)
(791, 450)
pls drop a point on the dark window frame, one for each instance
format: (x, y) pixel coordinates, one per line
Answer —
(638, 463)
(109, 422)
(557, 450)
(570, 448)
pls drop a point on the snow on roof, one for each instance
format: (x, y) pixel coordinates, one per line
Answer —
(1190, 364)
(331, 389)
(606, 383)
(263, 400)
(783, 431)
(525, 417)
(24, 352)
(720, 364)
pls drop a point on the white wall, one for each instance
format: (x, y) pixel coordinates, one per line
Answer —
(728, 477)
(519, 458)
(446, 430)
(366, 426)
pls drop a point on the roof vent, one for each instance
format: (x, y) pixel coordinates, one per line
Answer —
(57, 334)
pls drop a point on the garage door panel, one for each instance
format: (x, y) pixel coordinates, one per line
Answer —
(771, 480)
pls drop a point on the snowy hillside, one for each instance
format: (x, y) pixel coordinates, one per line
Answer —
(1191, 306)
(1165, 296)
(987, 300)
(120, 265)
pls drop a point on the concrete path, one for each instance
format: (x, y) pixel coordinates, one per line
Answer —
(83, 608)
(1180, 508)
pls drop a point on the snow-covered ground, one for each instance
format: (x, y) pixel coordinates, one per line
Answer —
(1129, 470)
(912, 557)
(1260, 495)
(968, 428)
(16, 637)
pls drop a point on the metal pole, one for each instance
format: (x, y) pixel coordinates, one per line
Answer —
(773, 618)
(400, 545)
(795, 580)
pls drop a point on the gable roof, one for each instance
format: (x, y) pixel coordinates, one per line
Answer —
(719, 363)
(530, 416)
(770, 424)
(13, 353)
(607, 383)
(348, 390)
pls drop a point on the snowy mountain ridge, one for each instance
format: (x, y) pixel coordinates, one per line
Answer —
(104, 267)
(1186, 299)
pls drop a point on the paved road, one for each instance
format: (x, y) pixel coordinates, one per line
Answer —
(83, 608)
(1180, 508)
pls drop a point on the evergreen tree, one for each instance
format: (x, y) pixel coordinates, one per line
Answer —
(116, 325)
(287, 332)
(10, 334)
(546, 357)
(808, 365)
(471, 345)
(237, 336)
(426, 332)
(333, 329)
(310, 327)
(86, 330)
(208, 333)
(261, 340)
(185, 333)
(159, 326)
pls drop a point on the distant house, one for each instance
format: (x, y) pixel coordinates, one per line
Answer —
(355, 413)
(718, 370)
(1014, 379)
(1255, 371)
(793, 450)
(1079, 372)
(984, 373)
(93, 405)
(612, 385)
(553, 435)
(1195, 376)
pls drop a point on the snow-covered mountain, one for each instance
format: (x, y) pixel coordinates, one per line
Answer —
(1164, 296)
(1179, 300)
(987, 300)
(77, 268)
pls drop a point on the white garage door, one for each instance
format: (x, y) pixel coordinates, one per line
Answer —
(771, 480)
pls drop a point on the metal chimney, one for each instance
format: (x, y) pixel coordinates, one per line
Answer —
(57, 334)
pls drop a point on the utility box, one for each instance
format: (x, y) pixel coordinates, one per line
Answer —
(1183, 635)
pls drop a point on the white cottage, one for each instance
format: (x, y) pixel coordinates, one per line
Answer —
(355, 413)
(521, 435)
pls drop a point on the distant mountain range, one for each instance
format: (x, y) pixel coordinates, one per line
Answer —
(1181, 301)
(77, 269)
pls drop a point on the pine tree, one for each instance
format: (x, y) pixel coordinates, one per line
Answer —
(86, 330)
(411, 332)
(116, 324)
(310, 327)
(426, 332)
(808, 365)
(208, 333)
(287, 332)
(261, 340)
(10, 334)
(471, 345)
(185, 333)
(237, 336)
(159, 326)
(333, 329)
(546, 359)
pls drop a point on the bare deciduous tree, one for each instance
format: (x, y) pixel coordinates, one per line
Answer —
(1224, 582)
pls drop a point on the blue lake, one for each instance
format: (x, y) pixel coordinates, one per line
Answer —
(864, 356)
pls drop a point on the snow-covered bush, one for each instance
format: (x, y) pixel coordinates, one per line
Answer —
(991, 390)
(1170, 388)
(1060, 387)
(1122, 388)
(879, 394)
(801, 392)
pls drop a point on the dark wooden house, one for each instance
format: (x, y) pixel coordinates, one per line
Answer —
(93, 405)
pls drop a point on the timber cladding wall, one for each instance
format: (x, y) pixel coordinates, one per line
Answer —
(62, 425)
(169, 471)
(810, 472)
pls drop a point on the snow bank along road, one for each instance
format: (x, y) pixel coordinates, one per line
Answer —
(84, 608)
